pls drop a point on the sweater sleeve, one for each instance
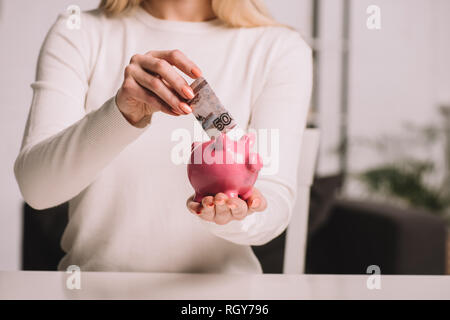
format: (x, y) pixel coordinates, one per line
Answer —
(282, 107)
(63, 147)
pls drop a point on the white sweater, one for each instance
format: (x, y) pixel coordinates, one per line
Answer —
(126, 196)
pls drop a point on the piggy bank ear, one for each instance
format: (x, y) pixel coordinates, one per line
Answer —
(249, 138)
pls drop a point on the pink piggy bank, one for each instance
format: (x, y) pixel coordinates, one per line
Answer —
(224, 165)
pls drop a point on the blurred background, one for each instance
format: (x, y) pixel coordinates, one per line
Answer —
(381, 194)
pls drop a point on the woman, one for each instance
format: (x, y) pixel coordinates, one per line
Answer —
(106, 100)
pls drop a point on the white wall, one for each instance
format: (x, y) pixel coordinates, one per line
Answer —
(23, 26)
(295, 13)
(398, 74)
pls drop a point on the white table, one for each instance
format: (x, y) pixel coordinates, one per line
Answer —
(104, 285)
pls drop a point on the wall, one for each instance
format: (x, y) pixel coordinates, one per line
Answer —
(399, 74)
(294, 13)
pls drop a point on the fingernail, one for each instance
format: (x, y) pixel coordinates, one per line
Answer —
(255, 203)
(188, 92)
(196, 72)
(220, 202)
(185, 107)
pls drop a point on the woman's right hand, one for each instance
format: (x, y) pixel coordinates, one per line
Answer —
(152, 84)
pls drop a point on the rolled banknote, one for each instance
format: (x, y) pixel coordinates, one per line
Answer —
(209, 111)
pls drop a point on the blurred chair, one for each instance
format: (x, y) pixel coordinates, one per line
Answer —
(296, 233)
(286, 253)
(42, 231)
(359, 234)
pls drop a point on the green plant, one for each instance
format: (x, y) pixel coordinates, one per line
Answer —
(406, 177)
(407, 182)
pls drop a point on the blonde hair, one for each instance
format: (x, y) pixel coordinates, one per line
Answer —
(235, 13)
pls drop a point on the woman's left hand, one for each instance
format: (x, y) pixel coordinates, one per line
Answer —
(221, 209)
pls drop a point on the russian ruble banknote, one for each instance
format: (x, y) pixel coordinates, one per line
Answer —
(208, 109)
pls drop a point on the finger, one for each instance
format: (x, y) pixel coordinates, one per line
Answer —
(155, 85)
(223, 213)
(238, 208)
(168, 74)
(256, 202)
(190, 199)
(179, 60)
(144, 95)
(159, 104)
(165, 108)
(147, 97)
(194, 207)
(208, 211)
